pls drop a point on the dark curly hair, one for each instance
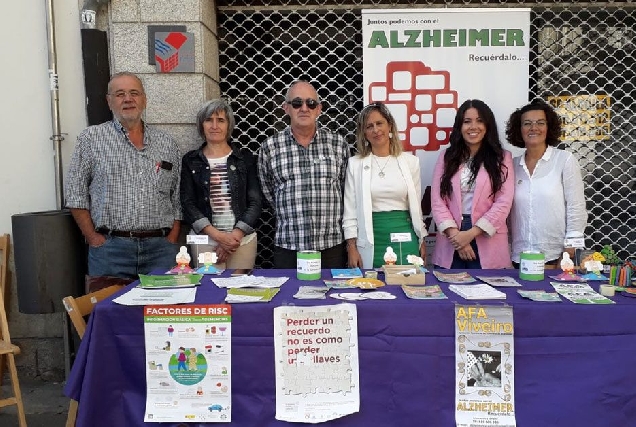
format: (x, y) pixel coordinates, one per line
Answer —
(490, 153)
(513, 126)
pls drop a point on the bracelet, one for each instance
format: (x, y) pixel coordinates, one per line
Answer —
(351, 243)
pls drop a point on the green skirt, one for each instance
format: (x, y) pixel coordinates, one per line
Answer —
(385, 223)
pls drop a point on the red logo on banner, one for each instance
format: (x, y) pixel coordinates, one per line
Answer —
(421, 102)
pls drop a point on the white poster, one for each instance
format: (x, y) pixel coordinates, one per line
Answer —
(424, 63)
(188, 362)
(485, 367)
(316, 350)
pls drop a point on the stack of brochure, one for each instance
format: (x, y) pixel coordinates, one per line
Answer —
(580, 293)
(169, 281)
(479, 291)
(239, 295)
(499, 281)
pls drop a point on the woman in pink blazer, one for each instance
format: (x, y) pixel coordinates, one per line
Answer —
(472, 192)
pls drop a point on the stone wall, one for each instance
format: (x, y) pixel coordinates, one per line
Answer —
(173, 98)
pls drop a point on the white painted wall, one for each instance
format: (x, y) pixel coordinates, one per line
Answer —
(27, 175)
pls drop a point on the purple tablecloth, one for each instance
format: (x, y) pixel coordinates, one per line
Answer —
(574, 364)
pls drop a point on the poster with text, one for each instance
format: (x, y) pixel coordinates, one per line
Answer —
(316, 350)
(484, 366)
(424, 63)
(188, 362)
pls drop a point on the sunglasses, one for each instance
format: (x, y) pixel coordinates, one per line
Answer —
(296, 103)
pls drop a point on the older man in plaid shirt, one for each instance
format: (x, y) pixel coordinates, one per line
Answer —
(123, 188)
(302, 171)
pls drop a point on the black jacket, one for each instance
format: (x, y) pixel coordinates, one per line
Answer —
(245, 190)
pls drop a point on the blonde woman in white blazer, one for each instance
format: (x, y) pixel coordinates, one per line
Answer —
(382, 193)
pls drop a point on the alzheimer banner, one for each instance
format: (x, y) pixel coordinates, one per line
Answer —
(423, 63)
(484, 364)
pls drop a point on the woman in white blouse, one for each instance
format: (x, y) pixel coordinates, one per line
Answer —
(549, 204)
(382, 193)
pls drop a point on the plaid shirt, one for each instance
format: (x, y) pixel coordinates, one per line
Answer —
(305, 187)
(122, 187)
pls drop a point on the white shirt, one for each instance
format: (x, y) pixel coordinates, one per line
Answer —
(467, 187)
(357, 221)
(220, 201)
(548, 206)
(388, 192)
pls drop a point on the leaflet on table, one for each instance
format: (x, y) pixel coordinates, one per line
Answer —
(346, 273)
(249, 282)
(339, 284)
(236, 295)
(140, 296)
(317, 370)
(540, 296)
(454, 277)
(169, 281)
(424, 292)
(580, 293)
(311, 292)
(499, 281)
(477, 291)
(484, 366)
(188, 363)
(361, 296)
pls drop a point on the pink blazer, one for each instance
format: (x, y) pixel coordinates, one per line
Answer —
(488, 213)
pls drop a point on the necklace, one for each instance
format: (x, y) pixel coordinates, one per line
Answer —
(381, 173)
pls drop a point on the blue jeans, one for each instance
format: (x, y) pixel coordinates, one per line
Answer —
(459, 263)
(130, 257)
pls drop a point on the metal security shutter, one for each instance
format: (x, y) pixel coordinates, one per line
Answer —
(577, 49)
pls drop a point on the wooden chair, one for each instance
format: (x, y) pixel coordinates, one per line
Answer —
(4, 263)
(8, 350)
(77, 309)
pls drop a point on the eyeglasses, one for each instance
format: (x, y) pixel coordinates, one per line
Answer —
(121, 94)
(528, 123)
(296, 103)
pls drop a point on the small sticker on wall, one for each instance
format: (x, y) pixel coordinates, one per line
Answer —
(174, 52)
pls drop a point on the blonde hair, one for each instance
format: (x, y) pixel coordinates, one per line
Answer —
(363, 146)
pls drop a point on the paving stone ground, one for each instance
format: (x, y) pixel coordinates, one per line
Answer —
(44, 403)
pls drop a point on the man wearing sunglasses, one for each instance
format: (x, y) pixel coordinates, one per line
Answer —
(302, 171)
